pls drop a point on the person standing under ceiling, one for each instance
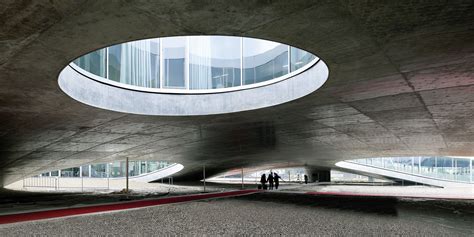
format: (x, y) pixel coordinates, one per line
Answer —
(263, 181)
(270, 181)
(276, 178)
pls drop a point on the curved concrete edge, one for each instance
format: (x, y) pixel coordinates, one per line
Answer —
(400, 175)
(94, 93)
(158, 174)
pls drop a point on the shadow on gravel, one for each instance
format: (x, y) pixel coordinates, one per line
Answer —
(374, 205)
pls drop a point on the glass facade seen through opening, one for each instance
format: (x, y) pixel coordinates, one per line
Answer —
(448, 168)
(195, 62)
(114, 169)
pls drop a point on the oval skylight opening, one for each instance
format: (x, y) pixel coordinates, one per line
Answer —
(192, 75)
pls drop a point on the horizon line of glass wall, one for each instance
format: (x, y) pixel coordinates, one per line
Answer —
(114, 169)
(195, 62)
(447, 168)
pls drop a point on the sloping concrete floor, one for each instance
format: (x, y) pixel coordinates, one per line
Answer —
(14, 201)
(387, 190)
(270, 213)
(113, 186)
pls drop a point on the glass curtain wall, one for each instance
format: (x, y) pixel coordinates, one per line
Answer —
(135, 63)
(300, 58)
(428, 166)
(116, 169)
(263, 60)
(99, 171)
(94, 62)
(70, 172)
(85, 171)
(114, 62)
(195, 62)
(449, 168)
(462, 169)
(174, 59)
(214, 62)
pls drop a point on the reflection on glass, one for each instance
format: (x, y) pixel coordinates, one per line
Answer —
(115, 57)
(416, 165)
(152, 165)
(174, 54)
(85, 170)
(136, 63)
(99, 171)
(117, 169)
(93, 62)
(140, 63)
(428, 166)
(214, 62)
(263, 60)
(462, 169)
(300, 58)
(445, 167)
(70, 172)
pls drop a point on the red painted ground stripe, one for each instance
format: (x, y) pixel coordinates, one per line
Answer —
(39, 215)
(381, 195)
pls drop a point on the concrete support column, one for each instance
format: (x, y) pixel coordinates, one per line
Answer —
(318, 174)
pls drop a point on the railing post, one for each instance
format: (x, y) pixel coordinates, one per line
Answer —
(126, 174)
(82, 178)
(242, 178)
(204, 176)
(108, 176)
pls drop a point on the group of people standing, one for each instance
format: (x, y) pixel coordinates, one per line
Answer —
(273, 181)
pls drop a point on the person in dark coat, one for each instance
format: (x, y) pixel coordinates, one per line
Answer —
(276, 178)
(306, 179)
(270, 181)
(263, 181)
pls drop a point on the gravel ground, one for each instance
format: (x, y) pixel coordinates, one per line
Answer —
(269, 214)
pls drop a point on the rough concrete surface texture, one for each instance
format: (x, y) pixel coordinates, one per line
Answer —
(266, 214)
(400, 83)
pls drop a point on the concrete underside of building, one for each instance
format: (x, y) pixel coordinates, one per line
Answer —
(401, 83)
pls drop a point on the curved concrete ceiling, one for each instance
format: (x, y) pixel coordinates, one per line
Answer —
(401, 83)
